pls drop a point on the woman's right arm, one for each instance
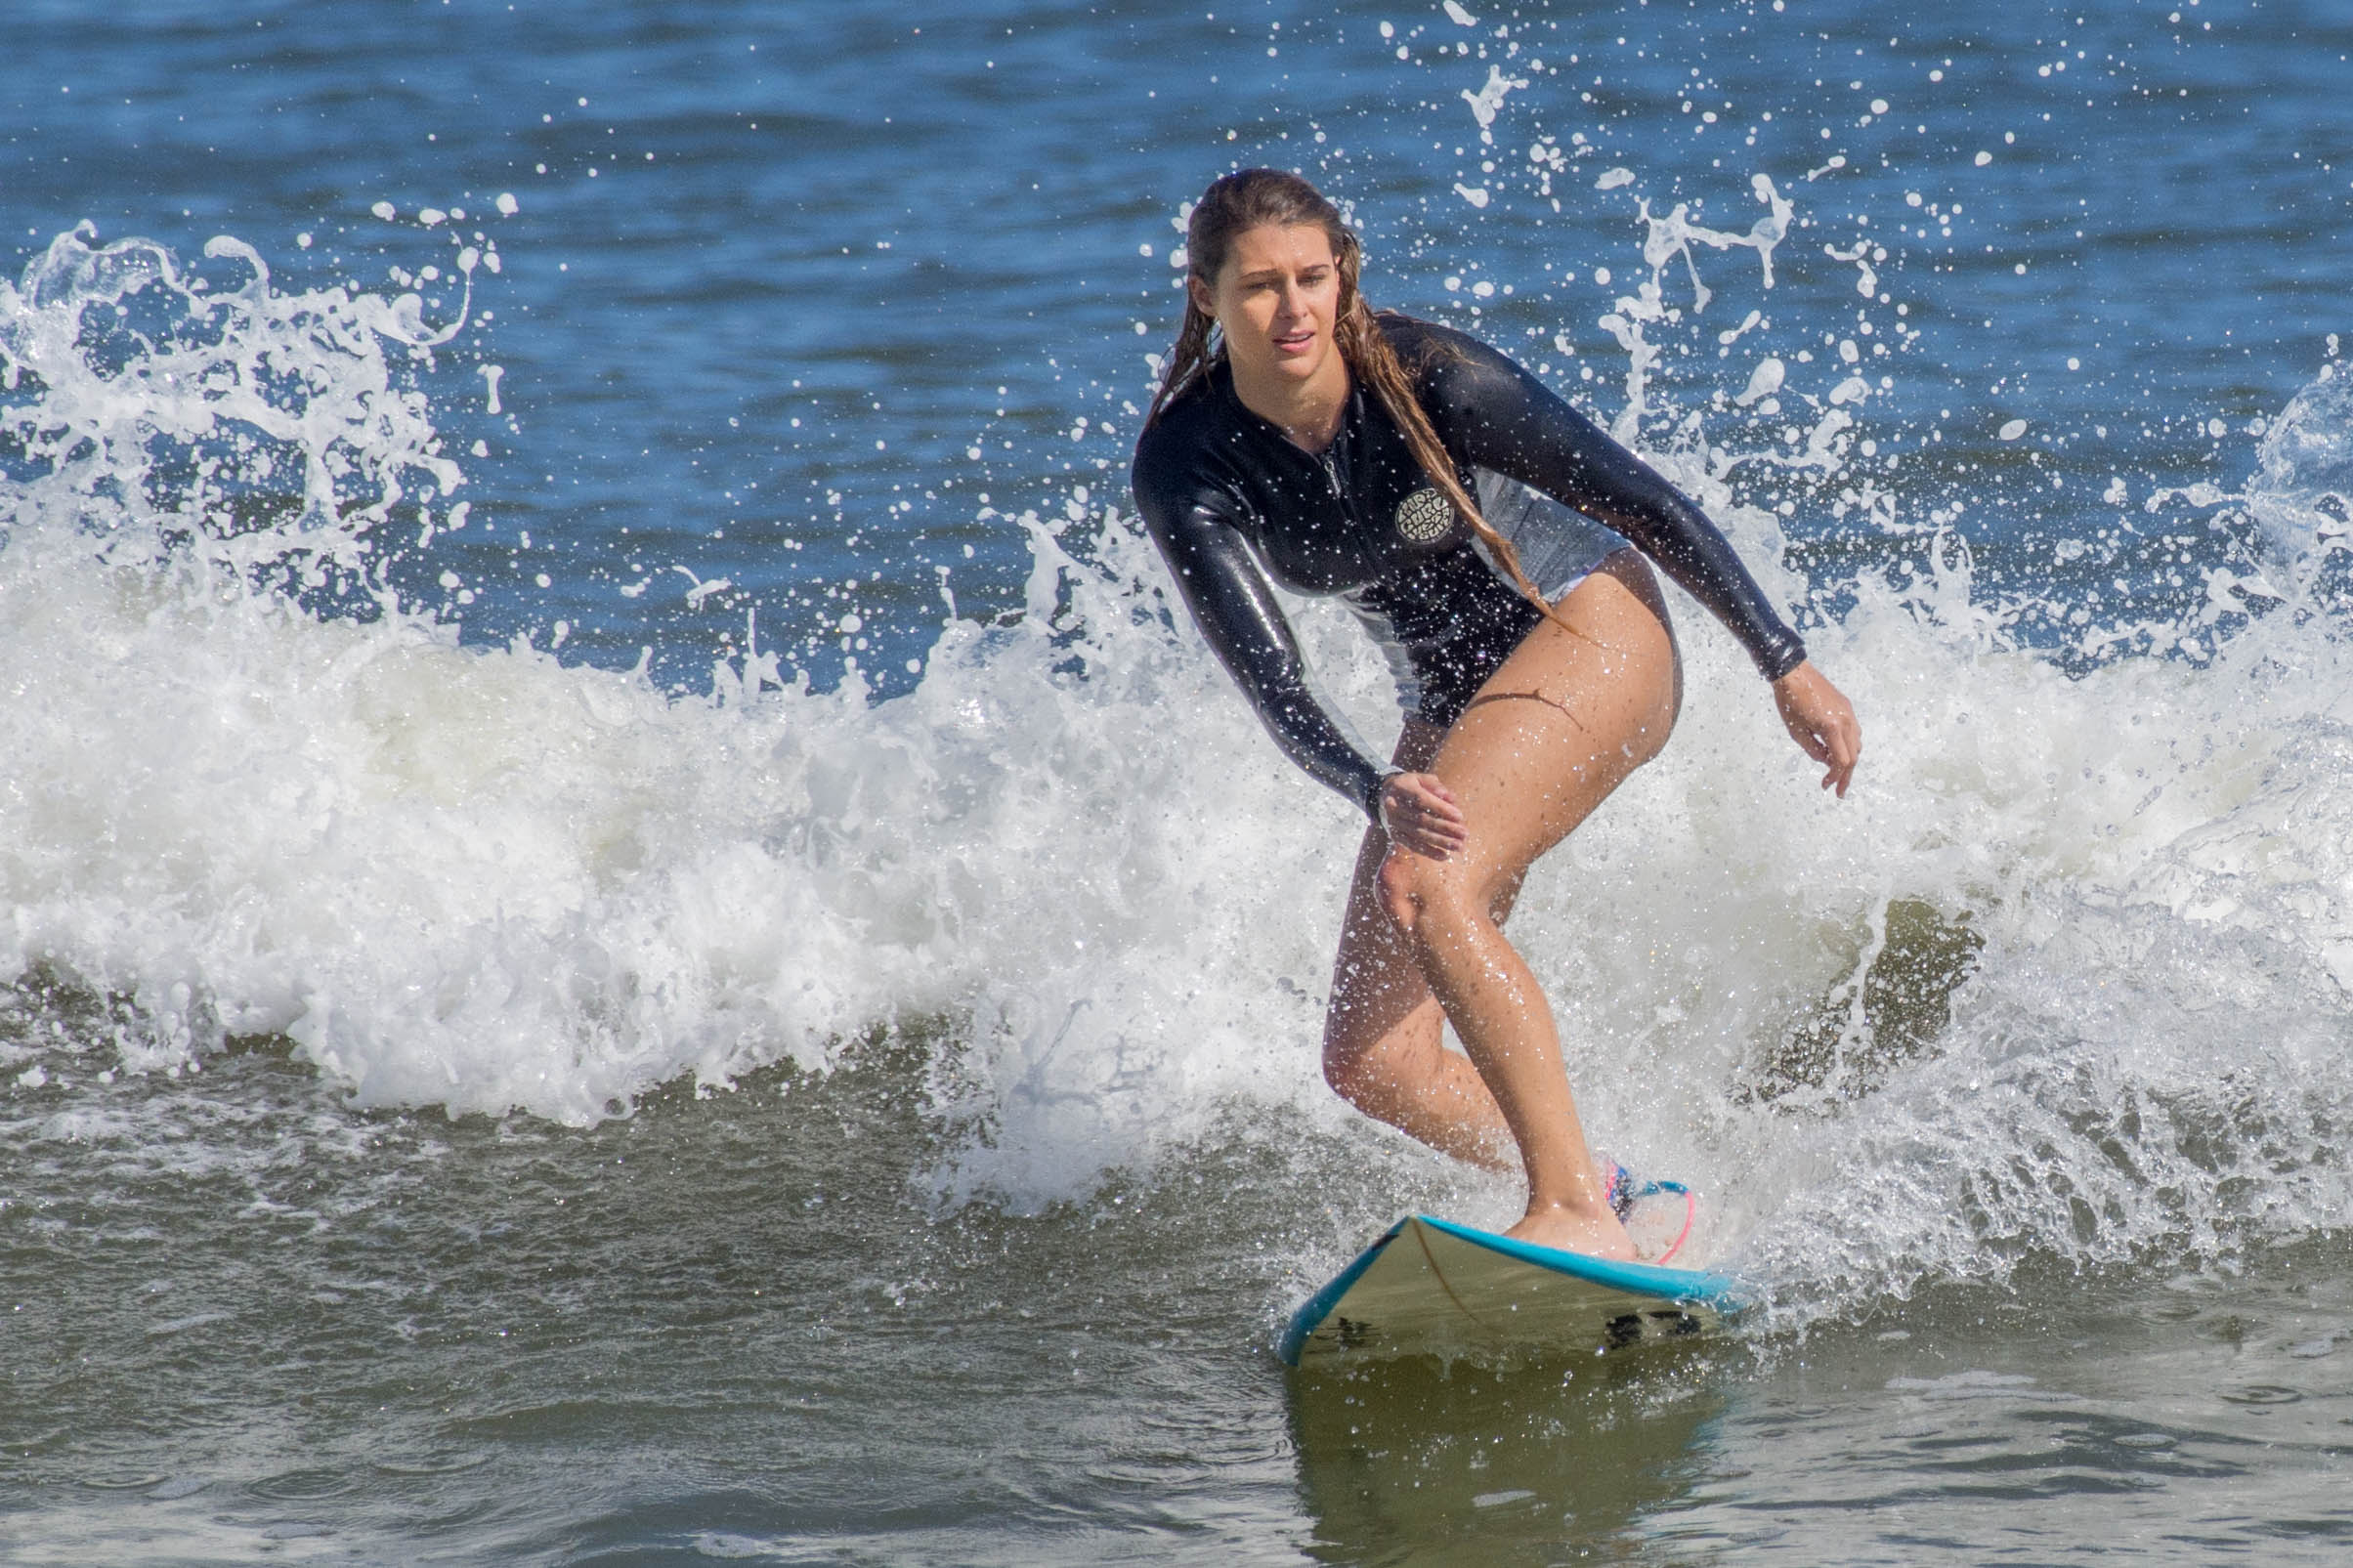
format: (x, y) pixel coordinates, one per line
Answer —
(1235, 606)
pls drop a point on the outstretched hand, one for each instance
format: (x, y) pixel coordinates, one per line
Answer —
(1822, 721)
(1421, 816)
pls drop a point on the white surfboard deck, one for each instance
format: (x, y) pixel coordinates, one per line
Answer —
(1430, 1286)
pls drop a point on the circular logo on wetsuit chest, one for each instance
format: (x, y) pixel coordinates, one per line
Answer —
(1425, 517)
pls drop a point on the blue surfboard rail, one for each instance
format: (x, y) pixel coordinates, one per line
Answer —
(1317, 1307)
(1651, 1280)
(1635, 1279)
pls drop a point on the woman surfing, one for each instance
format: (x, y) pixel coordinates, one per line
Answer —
(1494, 541)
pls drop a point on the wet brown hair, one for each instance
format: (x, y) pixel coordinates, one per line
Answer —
(1250, 199)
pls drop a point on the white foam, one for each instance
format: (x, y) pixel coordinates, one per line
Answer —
(479, 879)
(482, 880)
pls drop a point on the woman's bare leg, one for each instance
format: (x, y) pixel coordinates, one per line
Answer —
(1385, 1049)
(1559, 727)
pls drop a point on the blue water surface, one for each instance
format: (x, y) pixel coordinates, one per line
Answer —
(772, 264)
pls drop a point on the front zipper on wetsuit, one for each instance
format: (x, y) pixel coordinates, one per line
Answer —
(1331, 472)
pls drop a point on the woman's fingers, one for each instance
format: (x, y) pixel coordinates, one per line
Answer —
(1421, 816)
(1844, 742)
(1430, 836)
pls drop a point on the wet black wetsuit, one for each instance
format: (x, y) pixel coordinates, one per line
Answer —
(1230, 501)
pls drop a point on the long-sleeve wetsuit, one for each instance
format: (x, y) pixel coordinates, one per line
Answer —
(1231, 501)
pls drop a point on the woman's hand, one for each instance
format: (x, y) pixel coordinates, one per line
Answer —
(1822, 721)
(1421, 816)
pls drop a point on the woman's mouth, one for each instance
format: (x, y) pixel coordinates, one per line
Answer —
(1299, 342)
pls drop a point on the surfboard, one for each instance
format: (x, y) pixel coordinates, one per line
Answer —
(1430, 1286)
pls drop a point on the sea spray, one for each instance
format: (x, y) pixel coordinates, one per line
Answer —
(263, 434)
(478, 879)
(475, 878)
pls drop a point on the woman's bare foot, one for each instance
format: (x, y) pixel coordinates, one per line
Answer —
(1595, 1232)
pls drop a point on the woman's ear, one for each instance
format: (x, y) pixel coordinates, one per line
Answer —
(1198, 292)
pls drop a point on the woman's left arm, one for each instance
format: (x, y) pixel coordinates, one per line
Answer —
(1497, 415)
(1490, 410)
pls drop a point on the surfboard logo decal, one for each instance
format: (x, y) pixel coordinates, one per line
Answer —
(1425, 517)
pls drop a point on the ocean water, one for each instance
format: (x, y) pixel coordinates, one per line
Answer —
(635, 931)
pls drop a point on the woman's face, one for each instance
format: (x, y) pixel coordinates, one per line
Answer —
(1277, 299)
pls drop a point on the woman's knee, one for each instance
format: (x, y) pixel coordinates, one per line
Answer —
(1350, 1073)
(1349, 1055)
(1368, 1073)
(1412, 885)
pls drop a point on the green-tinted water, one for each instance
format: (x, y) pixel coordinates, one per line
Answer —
(241, 1318)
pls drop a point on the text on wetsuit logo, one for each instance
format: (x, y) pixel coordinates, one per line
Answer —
(1425, 517)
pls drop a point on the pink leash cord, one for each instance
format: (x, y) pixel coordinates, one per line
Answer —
(1690, 1214)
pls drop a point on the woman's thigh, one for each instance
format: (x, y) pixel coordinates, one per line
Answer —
(1557, 727)
(1613, 691)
